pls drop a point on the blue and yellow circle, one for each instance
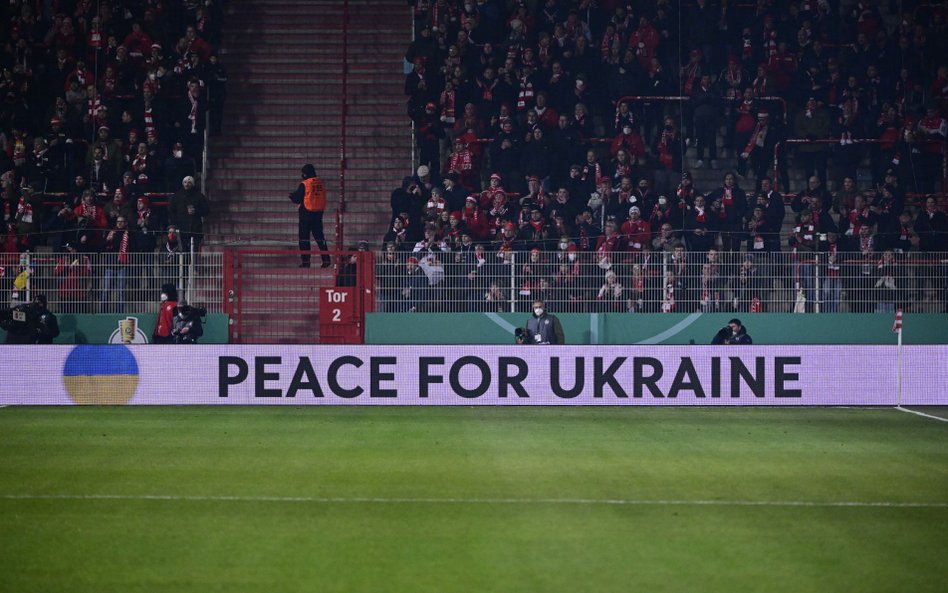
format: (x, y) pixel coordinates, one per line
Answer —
(101, 375)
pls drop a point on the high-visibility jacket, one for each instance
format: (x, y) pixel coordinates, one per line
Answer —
(314, 198)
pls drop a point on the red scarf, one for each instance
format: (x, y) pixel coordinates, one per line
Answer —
(149, 120)
(692, 73)
(609, 244)
(123, 249)
(140, 163)
(447, 106)
(525, 96)
(668, 302)
(760, 86)
(24, 211)
(193, 115)
(664, 154)
(596, 169)
(460, 161)
(757, 137)
(487, 92)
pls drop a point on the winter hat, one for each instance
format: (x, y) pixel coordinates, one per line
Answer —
(171, 291)
(308, 170)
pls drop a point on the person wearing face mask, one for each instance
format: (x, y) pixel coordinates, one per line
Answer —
(542, 328)
(165, 323)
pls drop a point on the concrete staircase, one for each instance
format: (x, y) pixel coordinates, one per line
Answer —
(284, 109)
(284, 60)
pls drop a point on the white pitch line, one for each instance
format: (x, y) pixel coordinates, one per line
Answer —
(921, 414)
(481, 501)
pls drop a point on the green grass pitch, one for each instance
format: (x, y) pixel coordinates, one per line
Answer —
(472, 500)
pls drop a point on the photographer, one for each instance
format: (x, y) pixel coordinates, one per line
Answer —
(30, 323)
(732, 334)
(187, 323)
(541, 329)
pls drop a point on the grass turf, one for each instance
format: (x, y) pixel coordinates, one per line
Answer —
(130, 545)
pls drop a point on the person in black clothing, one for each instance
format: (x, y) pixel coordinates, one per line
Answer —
(734, 333)
(187, 323)
(310, 200)
(30, 323)
(348, 274)
(47, 326)
(705, 106)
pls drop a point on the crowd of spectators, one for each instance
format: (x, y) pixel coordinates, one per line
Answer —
(102, 106)
(526, 141)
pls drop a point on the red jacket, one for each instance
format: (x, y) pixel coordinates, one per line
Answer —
(165, 319)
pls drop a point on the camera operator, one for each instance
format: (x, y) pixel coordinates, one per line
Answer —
(187, 323)
(30, 323)
(732, 334)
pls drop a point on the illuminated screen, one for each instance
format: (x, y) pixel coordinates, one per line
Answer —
(474, 375)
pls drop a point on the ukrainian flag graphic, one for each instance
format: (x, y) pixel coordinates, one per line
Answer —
(101, 375)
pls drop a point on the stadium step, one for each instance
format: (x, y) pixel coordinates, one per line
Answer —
(283, 109)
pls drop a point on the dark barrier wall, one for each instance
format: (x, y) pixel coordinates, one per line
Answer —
(103, 329)
(661, 328)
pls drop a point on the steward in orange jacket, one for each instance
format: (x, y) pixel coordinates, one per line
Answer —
(310, 200)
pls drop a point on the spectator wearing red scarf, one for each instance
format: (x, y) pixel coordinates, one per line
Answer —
(116, 250)
(636, 231)
(730, 204)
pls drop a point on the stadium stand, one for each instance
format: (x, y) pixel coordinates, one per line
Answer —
(778, 133)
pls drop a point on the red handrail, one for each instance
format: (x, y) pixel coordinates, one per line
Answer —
(670, 98)
(776, 168)
(149, 195)
(344, 100)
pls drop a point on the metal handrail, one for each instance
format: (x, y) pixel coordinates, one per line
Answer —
(344, 100)
(777, 146)
(681, 98)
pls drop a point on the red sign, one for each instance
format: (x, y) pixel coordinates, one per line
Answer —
(337, 306)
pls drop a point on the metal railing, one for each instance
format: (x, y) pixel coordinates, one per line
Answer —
(343, 129)
(855, 141)
(653, 282)
(681, 99)
(101, 283)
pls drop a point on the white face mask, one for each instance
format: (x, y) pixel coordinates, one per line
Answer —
(538, 311)
(662, 201)
(164, 297)
(564, 245)
(178, 154)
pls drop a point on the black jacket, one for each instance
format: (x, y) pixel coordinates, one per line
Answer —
(727, 338)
